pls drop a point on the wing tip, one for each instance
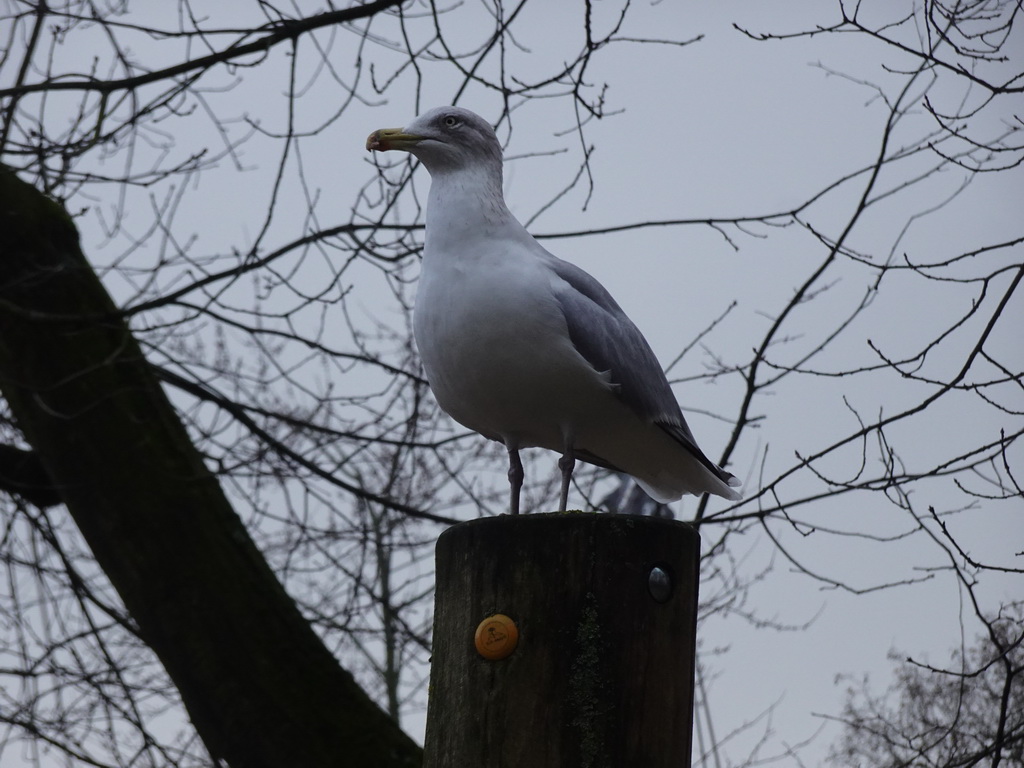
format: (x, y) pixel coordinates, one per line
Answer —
(719, 484)
(730, 481)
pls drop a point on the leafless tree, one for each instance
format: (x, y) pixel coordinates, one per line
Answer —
(186, 143)
(970, 713)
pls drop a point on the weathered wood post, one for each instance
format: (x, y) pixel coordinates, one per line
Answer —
(602, 673)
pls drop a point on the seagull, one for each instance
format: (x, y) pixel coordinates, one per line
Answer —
(525, 348)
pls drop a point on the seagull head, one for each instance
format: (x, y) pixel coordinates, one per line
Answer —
(443, 139)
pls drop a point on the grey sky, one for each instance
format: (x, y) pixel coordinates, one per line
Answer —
(724, 127)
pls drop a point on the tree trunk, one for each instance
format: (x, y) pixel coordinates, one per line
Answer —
(260, 687)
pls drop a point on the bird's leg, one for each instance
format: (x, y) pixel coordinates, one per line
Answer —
(567, 463)
(515, 478)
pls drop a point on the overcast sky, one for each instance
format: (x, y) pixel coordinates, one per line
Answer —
(733, 127)
(723, 127)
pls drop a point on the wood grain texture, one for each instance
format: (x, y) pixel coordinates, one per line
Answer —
(603, 673)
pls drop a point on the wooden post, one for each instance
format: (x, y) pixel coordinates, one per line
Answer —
(602, 675)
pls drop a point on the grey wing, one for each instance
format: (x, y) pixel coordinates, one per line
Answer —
(610, 342)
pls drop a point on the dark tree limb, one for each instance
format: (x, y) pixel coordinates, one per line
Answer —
(260, 687)
(282, 31)
(22, 473)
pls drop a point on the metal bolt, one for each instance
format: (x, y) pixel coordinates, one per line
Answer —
(659, 584)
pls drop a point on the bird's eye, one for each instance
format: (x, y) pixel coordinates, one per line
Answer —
(451, 121)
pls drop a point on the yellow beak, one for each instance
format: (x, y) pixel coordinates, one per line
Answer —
(384, 139)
